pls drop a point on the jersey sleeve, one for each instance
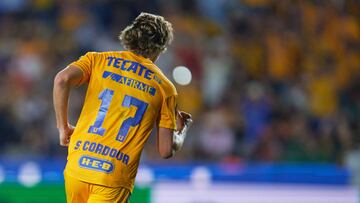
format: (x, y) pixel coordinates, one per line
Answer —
(85, 64)
(168, 113)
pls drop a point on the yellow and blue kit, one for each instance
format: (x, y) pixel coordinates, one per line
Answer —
(127, 95)
(82, 192)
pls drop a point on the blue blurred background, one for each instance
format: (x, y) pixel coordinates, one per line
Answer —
(275, 94)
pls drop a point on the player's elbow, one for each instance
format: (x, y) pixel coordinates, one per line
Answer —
(166, 154)
(61, 79)
(165, 151)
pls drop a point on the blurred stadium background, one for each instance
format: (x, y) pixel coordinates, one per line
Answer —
(275, 95)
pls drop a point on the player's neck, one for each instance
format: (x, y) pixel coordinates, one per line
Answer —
(153, 59)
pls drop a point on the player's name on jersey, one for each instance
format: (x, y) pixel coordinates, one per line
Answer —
(129, 82)
(127, 65)
(101, 149)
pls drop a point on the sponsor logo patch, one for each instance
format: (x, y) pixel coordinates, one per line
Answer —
(96, 164)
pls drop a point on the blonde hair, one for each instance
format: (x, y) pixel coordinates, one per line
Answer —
(148, 35)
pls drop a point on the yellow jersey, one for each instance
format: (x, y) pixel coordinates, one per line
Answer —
(127, 95)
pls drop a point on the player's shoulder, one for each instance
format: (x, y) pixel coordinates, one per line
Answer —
(97, 56)
(168, 88)
(101, 54)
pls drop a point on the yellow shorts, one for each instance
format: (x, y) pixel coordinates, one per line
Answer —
(81, 192)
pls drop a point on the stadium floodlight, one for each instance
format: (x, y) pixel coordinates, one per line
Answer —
(182, 75)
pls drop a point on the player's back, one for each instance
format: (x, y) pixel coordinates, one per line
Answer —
(127, 94)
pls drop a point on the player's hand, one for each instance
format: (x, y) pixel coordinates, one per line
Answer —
(182, 119)
(65, 135)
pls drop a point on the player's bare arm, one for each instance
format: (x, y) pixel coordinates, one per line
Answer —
(170, 141)
(64, 80)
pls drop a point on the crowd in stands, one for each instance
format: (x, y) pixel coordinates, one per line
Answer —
(272, 80)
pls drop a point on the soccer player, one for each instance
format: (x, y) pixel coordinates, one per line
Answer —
(127, 96)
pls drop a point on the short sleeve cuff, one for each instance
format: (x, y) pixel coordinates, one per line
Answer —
(167, 124)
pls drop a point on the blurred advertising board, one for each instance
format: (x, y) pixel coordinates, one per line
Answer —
(39, 180)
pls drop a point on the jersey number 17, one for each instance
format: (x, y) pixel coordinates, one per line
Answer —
(106, 97)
